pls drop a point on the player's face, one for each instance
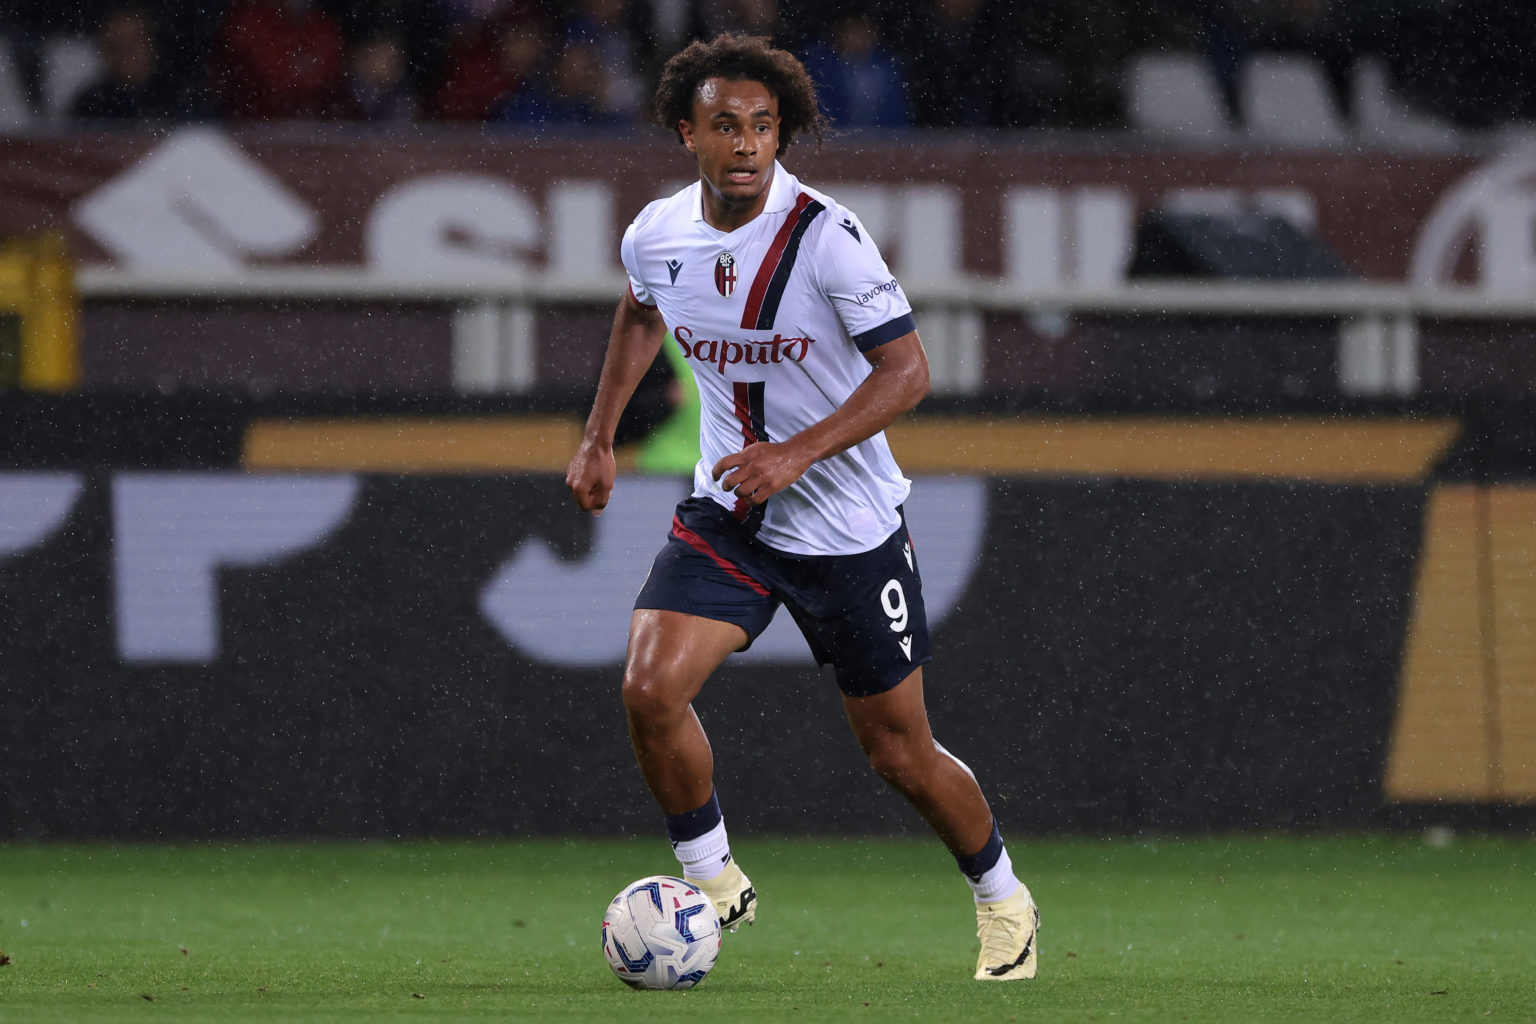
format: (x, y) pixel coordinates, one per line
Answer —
(734, 134)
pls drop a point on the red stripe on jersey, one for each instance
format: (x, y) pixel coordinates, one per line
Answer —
(743, 393)
(642, 305)
(701, 545)
(771, 263)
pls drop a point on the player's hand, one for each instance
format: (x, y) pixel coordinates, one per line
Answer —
(760, 470)
(591, 476)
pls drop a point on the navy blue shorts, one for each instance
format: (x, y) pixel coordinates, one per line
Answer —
(862, 614)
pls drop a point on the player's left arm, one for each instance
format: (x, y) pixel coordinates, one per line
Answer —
(897, 382)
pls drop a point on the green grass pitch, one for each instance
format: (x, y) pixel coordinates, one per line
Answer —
(1222, 928)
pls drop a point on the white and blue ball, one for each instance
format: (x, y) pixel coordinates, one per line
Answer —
(660, 932)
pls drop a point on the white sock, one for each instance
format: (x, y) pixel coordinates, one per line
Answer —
(705, 857)
(998, 883)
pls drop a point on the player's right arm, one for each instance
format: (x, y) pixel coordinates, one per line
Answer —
(635, 339)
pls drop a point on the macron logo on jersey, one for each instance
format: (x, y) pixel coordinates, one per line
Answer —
(720, 352)
(673, 266)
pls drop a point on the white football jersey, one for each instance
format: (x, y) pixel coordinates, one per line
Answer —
(774, 319)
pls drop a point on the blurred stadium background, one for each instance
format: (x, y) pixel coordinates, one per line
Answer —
(1225, 498)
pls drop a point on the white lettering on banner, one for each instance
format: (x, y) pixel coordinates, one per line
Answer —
(1033, 253)
(174, 530)
(1103, 222)
(1055, 236)
(197, 203)
(1492, 213)
(580, 229)
(927, 237)
(576, 614)
(446, 224)
(33, 506)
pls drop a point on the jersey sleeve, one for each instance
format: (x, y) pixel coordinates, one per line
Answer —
(631, 263)
(867, 297)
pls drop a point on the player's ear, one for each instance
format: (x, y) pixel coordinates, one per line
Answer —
(685, 130)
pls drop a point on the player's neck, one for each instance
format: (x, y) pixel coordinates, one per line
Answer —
(725, 214)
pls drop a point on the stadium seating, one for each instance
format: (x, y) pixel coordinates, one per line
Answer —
(15, 111)
(70, 64)
(1174, 94)
(1285, 99)
(1383, 116)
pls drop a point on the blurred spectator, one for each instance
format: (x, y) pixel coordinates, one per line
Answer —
(858, 80)
(569, 93)
(1068, 60)
(375, 87)
(419, 28)
(131, 85)
(952, 62)
(1034, 88)
(1009, 63)
(185, 31)
(1470, 60)
(754, 17)
(1235, 29)
(620, 32)
(478, 12)
(26, 24)
(489, 61)
(277, 59)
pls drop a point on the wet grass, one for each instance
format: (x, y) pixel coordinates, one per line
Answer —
(1223, 928)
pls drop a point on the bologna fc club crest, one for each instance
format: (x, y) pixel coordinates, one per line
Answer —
(725, 274)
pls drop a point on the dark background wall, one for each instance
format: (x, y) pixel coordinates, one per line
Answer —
(1125, 654)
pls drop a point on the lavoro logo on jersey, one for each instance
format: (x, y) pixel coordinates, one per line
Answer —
(720, 353)
(865, 298)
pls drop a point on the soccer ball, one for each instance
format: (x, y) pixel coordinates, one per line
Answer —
(661, 932)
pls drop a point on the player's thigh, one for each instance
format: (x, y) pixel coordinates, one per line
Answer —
(895, 717)
(671, 654)
(700, 602)
(864, 615)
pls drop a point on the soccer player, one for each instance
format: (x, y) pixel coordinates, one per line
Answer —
(804, 350)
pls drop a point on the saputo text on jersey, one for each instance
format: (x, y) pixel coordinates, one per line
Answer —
(720, 352)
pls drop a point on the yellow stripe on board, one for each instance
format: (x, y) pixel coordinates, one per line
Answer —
(1512, 524)
(1340, 450)
(414, 444)
(1440, 741)
(1370, 450)
(1465, 730)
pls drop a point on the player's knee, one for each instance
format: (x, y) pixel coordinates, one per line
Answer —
(649, 697)
(896, 761)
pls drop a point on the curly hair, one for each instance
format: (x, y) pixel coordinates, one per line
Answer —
(741, 58)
